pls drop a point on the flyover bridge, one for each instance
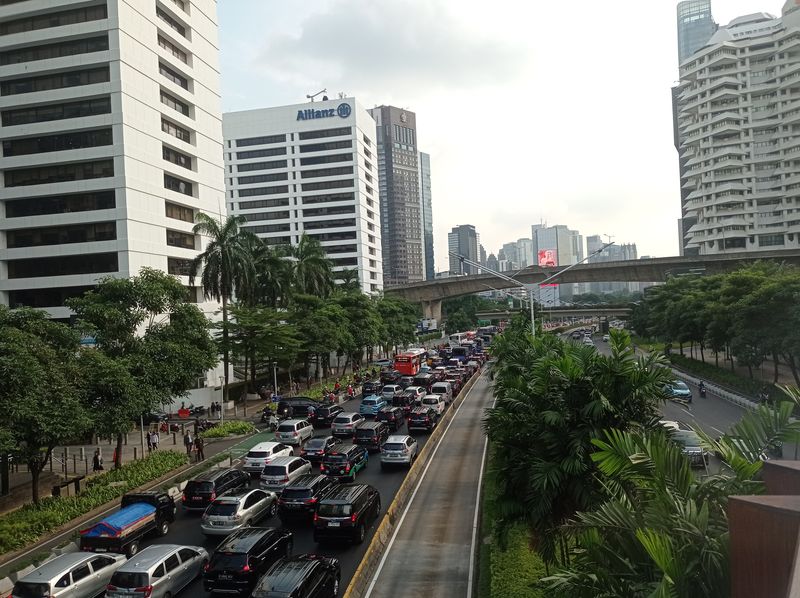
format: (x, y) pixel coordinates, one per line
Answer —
(558, 312)
(432, 293)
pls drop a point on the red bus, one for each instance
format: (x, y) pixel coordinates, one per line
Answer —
(409, 363)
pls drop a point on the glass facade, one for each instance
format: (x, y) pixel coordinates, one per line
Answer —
(695, 27)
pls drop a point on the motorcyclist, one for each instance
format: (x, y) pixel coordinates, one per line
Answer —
(702, 388)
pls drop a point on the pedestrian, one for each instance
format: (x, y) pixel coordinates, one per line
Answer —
(97, 461)
(199, 444)
(188, 442)
(149, 442)
(154, 439)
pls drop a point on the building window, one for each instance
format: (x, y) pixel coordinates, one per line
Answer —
(62, 235)
(176, 131)
(24, 116)
(341, 249)
(178, 239)
(366, 139)
(344, 261)
(177, 212)
(262, 178)
(57, 143)
(324, 147)
(171, 21)
(322, 172)
(265, 153)
(342, 236)
(327, 185)
(264, 203)
(41, 298)
(174, 103)
(269, 228)
(179, 266)
(178, 185)
(173, 76)
(176, 157)
(264, 140)
(58, 50)
(63, 265)
(325, 133)
(60, 204)
(770, 240)
(59, 173)
(56, 81)
(266, 216)
(314, 212)
(54, 19)
(340, 223)
(263, 191)
(328, 198)
(326, 159)
(167, 45)
(261, 166)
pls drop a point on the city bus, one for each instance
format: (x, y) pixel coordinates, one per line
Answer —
(409, 362)
(457, 338)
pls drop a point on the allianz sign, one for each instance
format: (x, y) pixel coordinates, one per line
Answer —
(343, 110)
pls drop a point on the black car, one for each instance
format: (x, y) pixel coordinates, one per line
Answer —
(346, 513)
(324, 415)
(425, 381)
(297, 407)
(299, 499)
(344, 462)
(201, 491)
(301, 576)
(243, 557)
(394, 417)
(405, 381)
(390, 376)
(405, 402)
(372, 435)
(422, 418)
(316, 448)
(371, 387)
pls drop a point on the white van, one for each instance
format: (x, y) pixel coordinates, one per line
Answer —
(444, 389)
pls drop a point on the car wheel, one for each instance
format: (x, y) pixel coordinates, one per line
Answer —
(336, 587)
(291, 452)
(163, 529)
(360, 534)
(132, 549)
(273, 508)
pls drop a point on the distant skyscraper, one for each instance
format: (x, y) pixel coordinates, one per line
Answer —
(481, 255)
(402, 220)
(525, 252)
(695, 27)
(557, 246)
(509, 251)
(491, 262)
(613, 253)
(463, 240)
(427, 213)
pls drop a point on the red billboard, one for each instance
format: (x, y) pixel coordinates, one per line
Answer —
(548, 259)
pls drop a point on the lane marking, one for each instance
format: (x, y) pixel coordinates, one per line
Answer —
(413, 495)
(471, 575)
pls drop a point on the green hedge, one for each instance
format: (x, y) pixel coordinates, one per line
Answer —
(229, 428)
(732, 380)
(26, 525)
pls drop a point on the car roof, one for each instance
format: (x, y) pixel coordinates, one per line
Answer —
(291, 421)
(371, 424)
(243, 540)
(56, 567)
(345, 492)
(372, 398)
(235, 495)
(421, 409)
(148, 557)
(285, 460)
(287, 574)
(349, 414)
(432, 396)
(306, 480)
(398, 438)
(343, 449)
(211, 475)
(262, 446)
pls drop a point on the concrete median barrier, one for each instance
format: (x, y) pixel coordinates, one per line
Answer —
(372, 557)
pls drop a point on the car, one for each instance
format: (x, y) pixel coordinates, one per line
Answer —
(295, 407)
(371, 387)
(345, 462)
(372, 435)
(398, 450)
(435, 402)
(394, 417)
(606, 338)
(294, 431)
(74, 574)
(577, 335)
(370, 406)
(346, 423)
(678, 391)
(587, 341)
(691, 446)
(390, 390)
(236, 510)
(301, 576)
(422, 418)
(316, 448)
(243, 557)
(346, 513)
(414, 393)
(383, 363)
(669, 424)
(300, 498)
(404, 402)
(282, 472)
(161, 570)
(456, 384)
(444, 389)
(202, 490)
(324, 415)
(390, 376)
(262, 454)
(424, 381)
(405, 381)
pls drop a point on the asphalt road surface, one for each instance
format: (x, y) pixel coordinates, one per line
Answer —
(431, 552)
(186, 529)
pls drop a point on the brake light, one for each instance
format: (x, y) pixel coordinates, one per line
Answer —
(322, 467)
(347, 468)
(183, 497)
(316, 517)
(312, 500)
(206, 567)
(353, 518)
(294, 433)
(246, 569)
(213, 495)
(144, 590)
(109, 588)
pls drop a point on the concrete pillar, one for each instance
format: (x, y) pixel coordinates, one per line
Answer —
(433, 309)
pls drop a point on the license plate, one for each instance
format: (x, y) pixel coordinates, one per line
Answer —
(197, 498)
(333, 524)
(226, 577)
(100, 550)
(219, 523)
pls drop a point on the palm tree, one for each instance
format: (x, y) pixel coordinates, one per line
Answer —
(311, 270)
(348, 281)
(270, 283)
(226, 266)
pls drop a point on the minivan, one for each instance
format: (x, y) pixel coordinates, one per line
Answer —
(201, 490)
(282, 472)
(346, 513)
(301, 576)
(372, 435)
(444, 390)
(158, 571)
(294, 431)
(76, 574)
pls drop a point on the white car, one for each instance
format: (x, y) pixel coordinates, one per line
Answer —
(400, 450)
(390, 390)
(238, 509)
(435, 402)
(588, 341)
(263, 453)
(294, 431)
(670, 425)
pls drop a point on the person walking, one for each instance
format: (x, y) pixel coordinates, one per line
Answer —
(97, 461)
(188, 442)
(199, 444)
(149, 442)
(154, 439)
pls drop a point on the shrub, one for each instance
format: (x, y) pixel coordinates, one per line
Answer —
(26, 525)
(229, 428)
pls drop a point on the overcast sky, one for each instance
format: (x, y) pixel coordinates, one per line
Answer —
(532, 111)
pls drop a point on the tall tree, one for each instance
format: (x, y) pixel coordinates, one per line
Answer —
(311, 270)
(399, 321)
(226, 266)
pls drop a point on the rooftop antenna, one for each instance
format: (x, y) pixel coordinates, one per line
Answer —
(342, 95)
(311, 97)
(608, 237)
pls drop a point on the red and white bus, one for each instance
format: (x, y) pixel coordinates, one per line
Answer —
(410, 362)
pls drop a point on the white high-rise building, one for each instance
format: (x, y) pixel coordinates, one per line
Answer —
(112, 142)
(739, 120)
(309, 168)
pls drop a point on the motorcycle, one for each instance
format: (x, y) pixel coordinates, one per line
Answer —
(702, 390)
(269, 418)
(204, 424)
(199, 410)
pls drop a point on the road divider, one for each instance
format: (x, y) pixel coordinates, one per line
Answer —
(370, 562)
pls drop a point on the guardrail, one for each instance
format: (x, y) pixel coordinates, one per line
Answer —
(720, 391)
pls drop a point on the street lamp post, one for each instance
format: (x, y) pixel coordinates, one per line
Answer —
(222, 388)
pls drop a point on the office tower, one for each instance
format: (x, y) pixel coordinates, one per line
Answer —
(492, 263)
(741, 135)
(509, 252)
(463, 240)
(309, 168)
(481, 255)
(557, 246)
(427, 213)
(525, 252)
(112, 138)
(402, 223)
(612, 253)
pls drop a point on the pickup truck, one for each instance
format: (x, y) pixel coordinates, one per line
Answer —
(142, 513)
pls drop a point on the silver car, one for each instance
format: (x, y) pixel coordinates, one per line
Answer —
(158, 571)
(398, 450)
(294, 431)
(282, 472)
(236, 510)
(345, 424)
(74, 575)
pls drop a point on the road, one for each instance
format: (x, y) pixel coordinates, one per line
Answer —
(186, 529)
(431, 552)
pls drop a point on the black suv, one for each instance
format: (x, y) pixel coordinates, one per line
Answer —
(394, 417)
(203, 489)
(390, 376)
(243, 557)
(316, 448)
(372, 435)
(324, 415)
(346, 513)
(300, 498)
(301, 576)
(422, 418)
(345, 462)
(297, 407)
(371, 387)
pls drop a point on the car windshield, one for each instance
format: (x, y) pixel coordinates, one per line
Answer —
(286, 428)
(222, 509)
(334, 510)
(430, 401)
(315, 443)
(686, 438)
(257, 454)
(369, 401)
(336, 457)
(342, 420)
(296, 493)
(274, 470)
(123, 579)
(25, 589)
(194, 486)
(228, 560)
(366, 432)
(323, 411)
(680, 385)
(394, 446)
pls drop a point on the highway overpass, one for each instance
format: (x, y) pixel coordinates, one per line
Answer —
(560, 312)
